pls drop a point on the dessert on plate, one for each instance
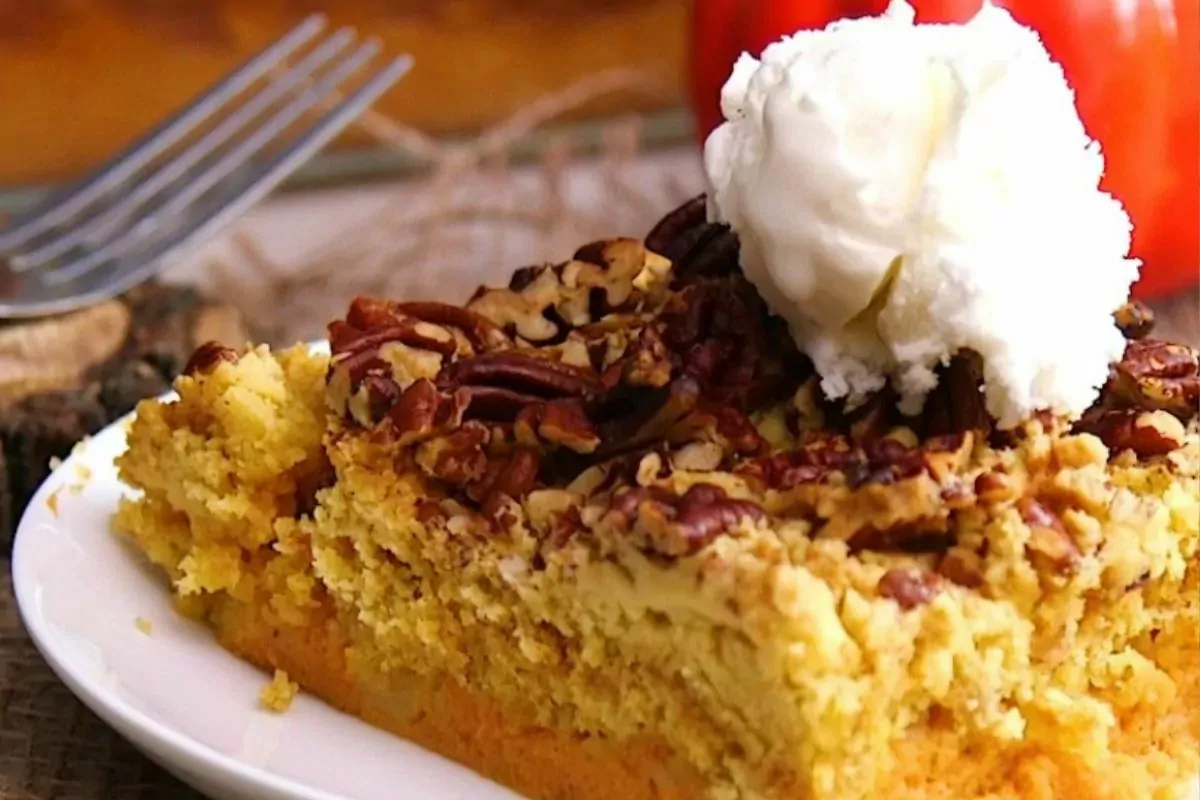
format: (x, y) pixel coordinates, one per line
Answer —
(855, 479)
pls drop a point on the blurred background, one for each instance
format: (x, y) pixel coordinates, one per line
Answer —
(573, 118)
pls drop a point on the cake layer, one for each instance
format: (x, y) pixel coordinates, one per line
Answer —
(1149, 748)
(571, 641)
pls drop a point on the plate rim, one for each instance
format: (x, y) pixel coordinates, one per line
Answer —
(130, 723)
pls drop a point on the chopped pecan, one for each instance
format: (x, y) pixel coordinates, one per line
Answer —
(910, 587)
(963, 567)
(647, 362)
(380, 393)
(737, 433)
(543, 304)
(518, 476)
(505, 478)
(422, 411)
(1050, 547)
(458, 457)
(679, 526)
(698, 457)
(207, 356)
(525, 312)
(705, 512)
(561, 422)
(994, 487)
(627, 504)
(1135, 319)
(1146, 433)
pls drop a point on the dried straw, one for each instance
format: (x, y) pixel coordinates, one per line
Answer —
(473, 206)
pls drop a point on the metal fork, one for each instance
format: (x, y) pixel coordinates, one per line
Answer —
(195, 173)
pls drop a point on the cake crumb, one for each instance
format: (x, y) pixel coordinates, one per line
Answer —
(277, 695)
(84, 472)
(80, 447)
(144, 626)
(52, 501)
(54, 463)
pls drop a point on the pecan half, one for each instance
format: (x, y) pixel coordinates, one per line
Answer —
(207, 356)
(705, 512)
(910, 587)
(422, 411)
(1146, 433)
(712, 252)
(483, 334)
(521, 372)
(664, 238)
(1050, 547)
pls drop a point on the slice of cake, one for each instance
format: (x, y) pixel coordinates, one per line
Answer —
(599, 534)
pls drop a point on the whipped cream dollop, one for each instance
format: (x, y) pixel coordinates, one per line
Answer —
(903, 192)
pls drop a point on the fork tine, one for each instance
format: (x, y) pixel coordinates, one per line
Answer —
(64, 206)
(105, 222)
(144, 253)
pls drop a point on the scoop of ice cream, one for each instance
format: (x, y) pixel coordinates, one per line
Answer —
(906, 191)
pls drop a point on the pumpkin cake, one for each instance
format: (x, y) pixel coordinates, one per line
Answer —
(598, 534)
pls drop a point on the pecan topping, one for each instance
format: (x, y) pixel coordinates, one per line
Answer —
(647, 361)
(543, 304)
(910, 588)
(457, 458)
(422, 410)
(538, 376)
(705, 512)
(1135, 319)
(1146, 433)
(1155, 375)
(963, 567)
(679, 526)
(510, 478)
(1050, 547)
(207, 357)
(994, 487)
(483, 334)
(561, 422)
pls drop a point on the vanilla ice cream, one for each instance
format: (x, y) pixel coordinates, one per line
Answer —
(903, 191)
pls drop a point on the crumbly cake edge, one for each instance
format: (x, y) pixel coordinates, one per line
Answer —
(467, 727)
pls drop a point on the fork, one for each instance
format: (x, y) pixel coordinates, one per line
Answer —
(175, 188)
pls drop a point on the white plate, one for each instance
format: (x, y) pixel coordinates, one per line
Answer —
(176, 694)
